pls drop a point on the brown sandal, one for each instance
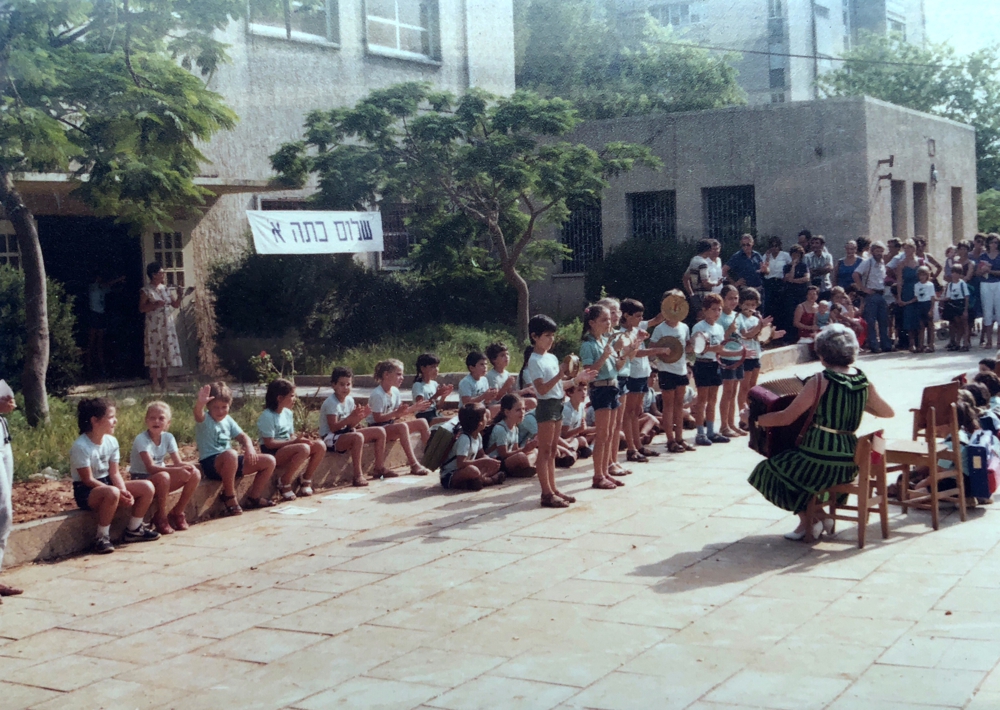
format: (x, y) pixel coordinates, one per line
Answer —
(259, 502)
(635, 457)
(177, 521)
(360, 482)
(550, 501)
(565, 497)
(232, 508)
(604, 484)
(676, 447)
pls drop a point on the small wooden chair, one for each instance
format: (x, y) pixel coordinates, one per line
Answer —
(869, 488)
(938, 397)
(902, 455)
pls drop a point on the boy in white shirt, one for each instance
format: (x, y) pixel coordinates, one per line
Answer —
(474, 387)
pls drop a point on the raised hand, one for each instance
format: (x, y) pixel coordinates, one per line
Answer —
(588, 375)
(204, 395)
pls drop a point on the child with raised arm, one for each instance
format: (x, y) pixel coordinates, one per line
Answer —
(597, 353)
(749, 324)
(214, 433)
(622, 362)
(425, 387)
(156, 458)
(338, 421)
(276, 428)
(731, 376)
(707, 377)
(474, 387)
(466, 466)
(637, 384)
(504, 444)
(672, 378)
(97, 483)
(387, 407)
(545, 373)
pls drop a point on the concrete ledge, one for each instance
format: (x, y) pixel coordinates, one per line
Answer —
(785, 356)
(73, 532)
(368, 381)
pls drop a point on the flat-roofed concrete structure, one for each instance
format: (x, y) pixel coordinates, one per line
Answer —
(774, 170)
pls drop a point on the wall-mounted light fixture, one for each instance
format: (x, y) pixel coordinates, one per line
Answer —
(934, 176)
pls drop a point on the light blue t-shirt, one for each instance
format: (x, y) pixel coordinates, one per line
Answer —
(272, 425)
(465, 446)
(502, 436)
(382, 402)
(157, 454)
(470, 388)
(214, 437)
(544, 368)
(527, 429)
(572, 416)
(496, 379)
(333, 406)
(97, 457)
(591, 351)
(427, 390)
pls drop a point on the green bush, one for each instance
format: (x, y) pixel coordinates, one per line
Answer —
(64, 355)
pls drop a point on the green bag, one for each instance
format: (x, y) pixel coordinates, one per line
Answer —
(443, 437)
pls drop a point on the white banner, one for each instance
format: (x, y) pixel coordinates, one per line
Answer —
(302, 232)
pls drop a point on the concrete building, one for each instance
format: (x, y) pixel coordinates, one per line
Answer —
(332, 56)
(843, 168)
(786, 44)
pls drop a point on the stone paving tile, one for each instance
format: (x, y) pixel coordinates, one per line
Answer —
(627, 691)
(430, 615)
(18, 621)
(431, 666)
(113, 693)
(790, 690)
(69, 672)
(492, 693)
(191, 671)
(128, 648)
(261, 645)
(915, 686)
(52, 644)
(22, 697)
(216, 623)
(371, 693)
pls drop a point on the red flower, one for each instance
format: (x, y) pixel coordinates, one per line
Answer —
(263, 353)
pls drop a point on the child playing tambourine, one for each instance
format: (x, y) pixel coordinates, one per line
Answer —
(672, 378)
(731, 375)
(749, 325)
(707, 377)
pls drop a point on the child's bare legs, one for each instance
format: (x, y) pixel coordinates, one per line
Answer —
(647, 422)
(376, 436)
(605, 441)
(400, 431)
(473, 478)
(225, 466)
(264, 468)
(353, 443)
(317, 450)
(726, 406)
(290, 459)
(144, 495)
(421, 427)
(519, 465)
(633, 411)
(929, 325)
(916, 340)
(548, 437)
(164, 483)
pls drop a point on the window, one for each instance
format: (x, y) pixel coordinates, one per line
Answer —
(778, 98)
(10, 253)
(396, 237)
(774, 8)
(404, 28)
(777, 77)
(729, 211)
(582, 233)
(284, 205)
(302, 20)
(168, 250)
(895, 24)
(654, 215)
(957, 216)
(679, 14)
(821, 11)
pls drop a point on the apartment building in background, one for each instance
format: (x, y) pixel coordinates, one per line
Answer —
(785, 44)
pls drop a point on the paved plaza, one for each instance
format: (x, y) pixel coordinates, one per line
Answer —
(676, 591)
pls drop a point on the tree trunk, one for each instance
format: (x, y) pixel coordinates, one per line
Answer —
(523, 312)
(36, 360)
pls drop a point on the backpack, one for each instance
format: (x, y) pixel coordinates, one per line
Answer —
(981, 465)
(443, 437)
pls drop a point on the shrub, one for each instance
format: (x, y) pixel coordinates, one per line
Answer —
(64, 355)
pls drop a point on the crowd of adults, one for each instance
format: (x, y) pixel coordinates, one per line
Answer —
(885, 291)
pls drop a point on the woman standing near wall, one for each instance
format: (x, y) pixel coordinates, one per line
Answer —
(163, 350)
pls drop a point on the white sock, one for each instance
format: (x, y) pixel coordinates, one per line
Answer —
(134, 523)
(103, 531)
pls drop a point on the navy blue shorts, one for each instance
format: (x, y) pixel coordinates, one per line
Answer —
(706, 373)
(429, 415)
(751, 364)
(623, 385)
(669, 381)
(604, 397)
(735, 373)
(81, 492)
(208, 468)
(637, 385)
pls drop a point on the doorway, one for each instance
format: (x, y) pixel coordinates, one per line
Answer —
(79, 249)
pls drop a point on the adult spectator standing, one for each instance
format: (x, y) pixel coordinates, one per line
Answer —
(864, 244)
(906, 270)
(703, 275)
(7, 406)
(775, 261)
(988, 268)
(847, 265)
(926, 259)
(820, 264)
(744, 267)
(974, 281)
(163, 349)
(869, 277)
(797, 280)
(894, 255)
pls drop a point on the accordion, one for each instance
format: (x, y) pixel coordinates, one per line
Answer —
(775, 396)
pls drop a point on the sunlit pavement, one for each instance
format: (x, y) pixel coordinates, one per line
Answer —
(676, 591)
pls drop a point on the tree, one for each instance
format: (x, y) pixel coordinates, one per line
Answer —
(498, 162)
(103, 90)
(611, 65)
(933, 79)
(989, 210)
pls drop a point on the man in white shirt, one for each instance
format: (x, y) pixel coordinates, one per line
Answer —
(775, 260)
(820, 263)
(703, 275)
(869, 277)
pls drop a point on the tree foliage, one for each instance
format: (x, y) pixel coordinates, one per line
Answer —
(933, 79)
(498, 166)
(609, 65)
(989, 210)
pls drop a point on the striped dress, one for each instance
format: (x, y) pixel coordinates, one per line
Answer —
(824, 459)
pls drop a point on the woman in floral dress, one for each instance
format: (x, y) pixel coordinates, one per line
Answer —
(162, 347)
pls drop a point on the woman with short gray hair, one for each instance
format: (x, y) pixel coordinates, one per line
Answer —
(841, 394)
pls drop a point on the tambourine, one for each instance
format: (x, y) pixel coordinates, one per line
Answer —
(806, 341)
(732, 356)
(765, 334)
(674, 308)
(675, 345)
(572, 364)
(699, 343)
(622, 342)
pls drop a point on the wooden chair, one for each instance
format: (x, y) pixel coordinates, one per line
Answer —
(869, 488)
(902, 455)
(938, 397)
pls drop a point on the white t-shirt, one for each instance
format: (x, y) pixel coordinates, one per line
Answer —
(743, 325)
(97, 457)
(502, 436)
(715, 274)
(382, 402)
(703, 271)
(682, 333)
(496, 379)
(572, 416)
(427, 390)
(158, 454)
(776, 264)
(333, 406)
(639, 366)
(471, 388)
(544, 368)
(923, 292)
(715, 334)
(465, 446)
(957, 290)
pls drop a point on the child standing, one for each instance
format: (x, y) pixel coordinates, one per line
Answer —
(505, 437)
(545, 374)
(467, 467)
(637, 384)
(956, 309)
(474, 387)
(707, 377)
(276, 428)
(924, 297)
(425, 386)
(672, 378)
(338, 421)
(731, 376)
(214, 434)
(386, 407)
(151, 451)
(598, 354)
(97, 483)
(749, 324)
